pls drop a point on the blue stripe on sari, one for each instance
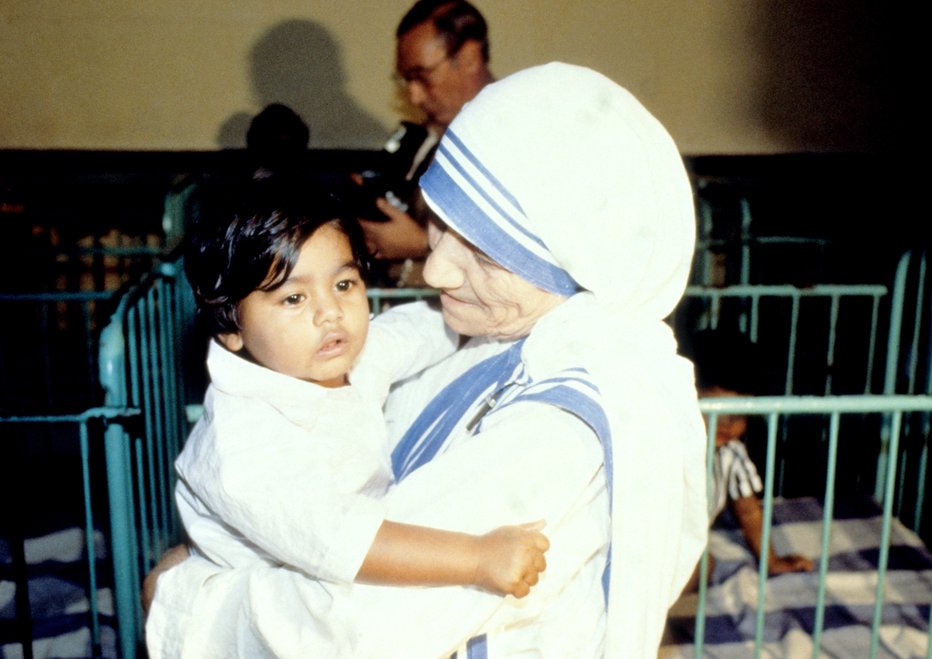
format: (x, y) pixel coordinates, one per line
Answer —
(512, 223)
(433, 426)
(477, 647)
(468, 154)
(491, 238)
(590, 412)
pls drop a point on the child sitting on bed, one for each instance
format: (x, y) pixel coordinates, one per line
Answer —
(726, 364)
(289, 463)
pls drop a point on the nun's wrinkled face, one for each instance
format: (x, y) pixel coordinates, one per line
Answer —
(479, 297)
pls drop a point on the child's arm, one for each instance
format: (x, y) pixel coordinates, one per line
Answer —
(751, 520)
(505, 561)
(402, 341)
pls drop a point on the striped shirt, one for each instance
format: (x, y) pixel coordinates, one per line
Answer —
(734, 476)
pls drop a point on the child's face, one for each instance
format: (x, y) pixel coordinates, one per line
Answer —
(314, 325)
(730, 426)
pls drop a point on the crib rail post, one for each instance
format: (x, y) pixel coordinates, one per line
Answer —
(120, 494)
(141, 366)
(893, 357)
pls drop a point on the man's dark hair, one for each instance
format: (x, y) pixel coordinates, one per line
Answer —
(456, 22)
(251, 239)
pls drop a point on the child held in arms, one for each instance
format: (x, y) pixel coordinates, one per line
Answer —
(289, 463)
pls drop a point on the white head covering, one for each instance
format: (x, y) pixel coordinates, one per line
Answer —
(563, 178)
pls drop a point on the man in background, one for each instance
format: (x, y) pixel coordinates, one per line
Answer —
(442, 60)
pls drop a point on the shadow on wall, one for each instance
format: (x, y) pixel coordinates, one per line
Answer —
(298, 63)
(829, 71)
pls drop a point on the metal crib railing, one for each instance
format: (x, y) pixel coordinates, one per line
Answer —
(792, 310)
(892, 409)
(86, 429)
(730, 248)
(142, 369)
(50, 371)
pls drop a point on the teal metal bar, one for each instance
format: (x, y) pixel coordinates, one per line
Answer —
(59, 296)
(105, 413)
(783, 405)
(872, 347)
(716, 310)
(828, 514)
(154, 383)
(163, 486)
(89, 536)
(749, 291)
(145, 503)
(746, 238)
(885, 534)
(830, 348)
(917, 326)
(755, 315)
(791, 347)
(112, 363)
(893, 354)
(765, 533)
(711, 425)
(121, 536)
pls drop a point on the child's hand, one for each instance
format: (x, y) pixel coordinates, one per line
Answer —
(789, 563)
(511, 558)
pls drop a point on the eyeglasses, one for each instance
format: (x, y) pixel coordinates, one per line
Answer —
(419, 74)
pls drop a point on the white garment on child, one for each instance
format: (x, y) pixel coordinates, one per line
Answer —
(734, 477)
(284, 471)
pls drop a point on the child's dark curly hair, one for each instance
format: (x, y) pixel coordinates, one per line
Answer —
(250, 239)
(728, 359)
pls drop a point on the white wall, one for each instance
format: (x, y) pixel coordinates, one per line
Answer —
(725, 76)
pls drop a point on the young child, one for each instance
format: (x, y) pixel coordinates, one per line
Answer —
(725, 364)
(289, 462)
